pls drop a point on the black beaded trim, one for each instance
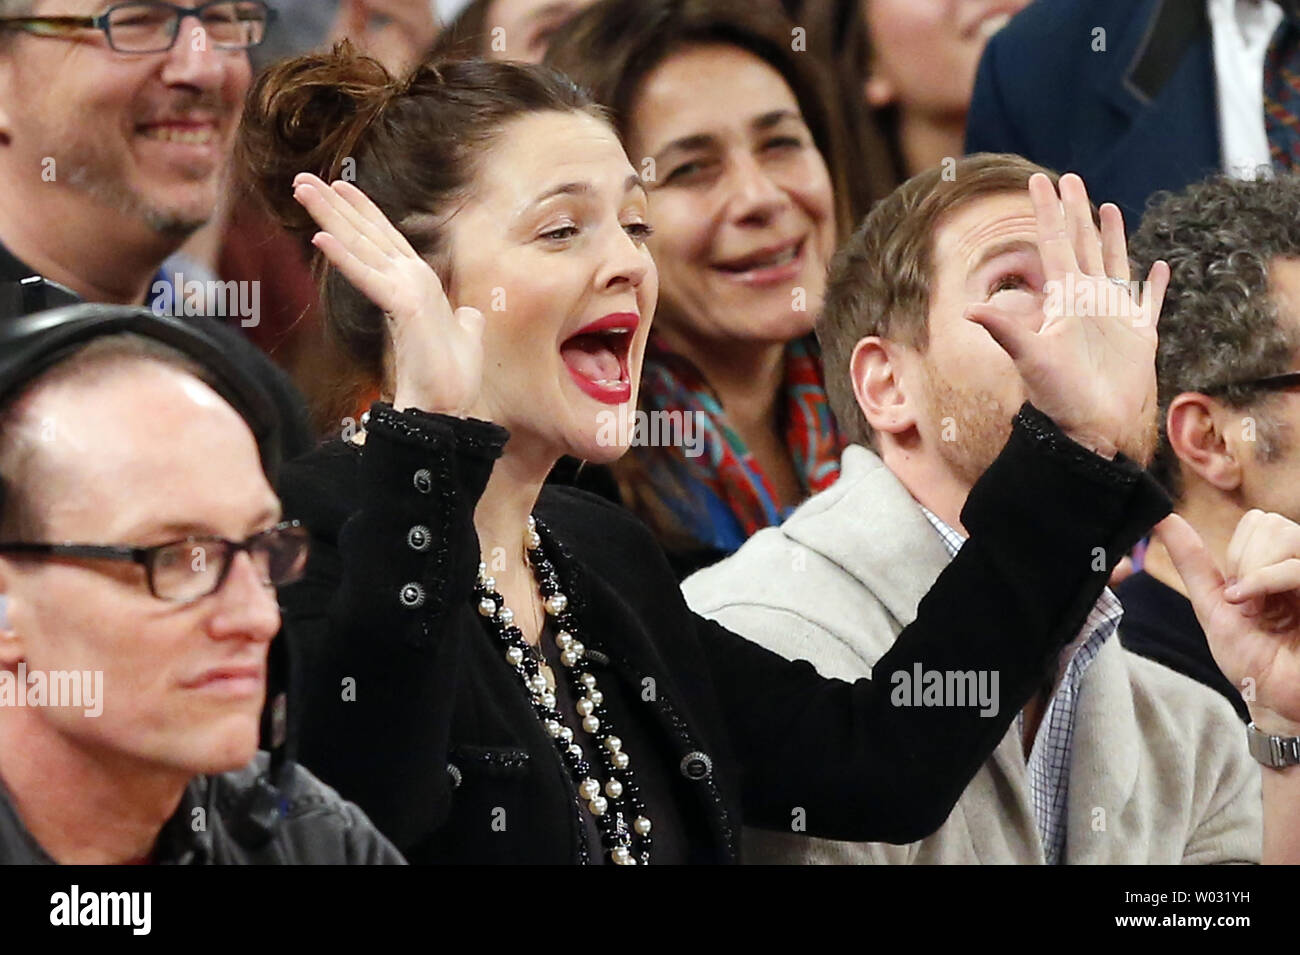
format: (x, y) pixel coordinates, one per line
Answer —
(501, 758)
(383, 417)
(1121, 472)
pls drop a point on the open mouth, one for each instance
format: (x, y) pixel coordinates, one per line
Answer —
(774, 264)
(597, 357)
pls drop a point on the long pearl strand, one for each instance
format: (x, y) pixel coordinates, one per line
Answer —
(621, 797)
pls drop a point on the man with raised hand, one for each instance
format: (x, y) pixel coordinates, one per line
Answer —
(933, 311)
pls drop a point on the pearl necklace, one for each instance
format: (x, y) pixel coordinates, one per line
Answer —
(622, 797)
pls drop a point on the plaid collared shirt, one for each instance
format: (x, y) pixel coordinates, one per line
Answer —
(1049, 760)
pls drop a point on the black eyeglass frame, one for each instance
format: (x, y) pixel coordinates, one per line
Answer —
(1289, 379)
(145, 556)
(57, 26)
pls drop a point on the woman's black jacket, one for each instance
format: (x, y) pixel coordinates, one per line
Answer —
(409, 709)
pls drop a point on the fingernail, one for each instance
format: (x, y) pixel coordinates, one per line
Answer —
(1232, 592)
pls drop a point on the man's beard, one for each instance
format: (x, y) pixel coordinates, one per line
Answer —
(87, 173)
(973, 426)
(103, 176)
(980, 426)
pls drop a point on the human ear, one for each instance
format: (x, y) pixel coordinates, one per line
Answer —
(878, 386)
(1196, 425)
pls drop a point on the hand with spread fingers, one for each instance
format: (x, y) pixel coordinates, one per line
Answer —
(1250, 610)
(437, 350)
(1090, 365)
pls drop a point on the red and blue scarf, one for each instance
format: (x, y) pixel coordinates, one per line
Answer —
(722, 497)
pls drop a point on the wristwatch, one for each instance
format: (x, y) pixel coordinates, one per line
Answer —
(1277, 752)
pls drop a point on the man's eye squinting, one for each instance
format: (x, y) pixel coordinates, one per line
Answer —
(1012, 282)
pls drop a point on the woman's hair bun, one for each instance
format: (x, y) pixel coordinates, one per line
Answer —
(307, 114)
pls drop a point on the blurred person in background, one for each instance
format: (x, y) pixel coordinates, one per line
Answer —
(1139, 96)
(921, 62)
(904, 71)
(518, 30)
(747, 192)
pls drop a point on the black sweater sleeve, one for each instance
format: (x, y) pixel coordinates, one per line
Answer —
(376, 654)
(380, 608)
(1047, 522)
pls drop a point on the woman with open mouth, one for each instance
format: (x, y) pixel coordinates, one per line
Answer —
(499, 670)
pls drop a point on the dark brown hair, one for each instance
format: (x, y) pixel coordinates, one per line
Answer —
(881, 277)
(613, 46)
(838, 38)
(413, 145)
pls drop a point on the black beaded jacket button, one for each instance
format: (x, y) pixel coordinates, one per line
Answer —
(412, 596)
(419, 538)
(423, 480)
(697, 766)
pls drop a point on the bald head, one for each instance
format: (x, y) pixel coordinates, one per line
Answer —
(118, 437)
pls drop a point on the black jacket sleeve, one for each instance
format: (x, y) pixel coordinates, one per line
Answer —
(377, 656)
(1047, 522)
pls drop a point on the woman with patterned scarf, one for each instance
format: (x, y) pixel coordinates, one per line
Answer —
(747, 195)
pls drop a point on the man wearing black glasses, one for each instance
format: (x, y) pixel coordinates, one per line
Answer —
(116, 124)
(140, 548)
(1229, 389)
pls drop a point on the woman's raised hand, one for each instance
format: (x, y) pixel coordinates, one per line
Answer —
(437, 351)
(1090, 366)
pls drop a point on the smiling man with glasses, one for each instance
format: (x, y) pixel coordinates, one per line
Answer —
(116, 125)
(141, 541)
(103, 107)
(1229, 391)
